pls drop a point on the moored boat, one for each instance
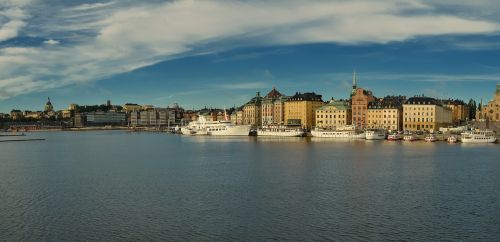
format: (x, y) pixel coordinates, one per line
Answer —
(375, 134)
(430, 138)
(394, 137)
(215, 128)
(478, 136)
(452, 139)
(410, 137)
(346, 132)
(280, 130)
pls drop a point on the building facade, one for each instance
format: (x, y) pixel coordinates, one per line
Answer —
(386, 113)
(490, 111)
(425, 113)
(106, 118)
(252, 111)
(459, 109)
(334, 114)
(359, 103)
(300, 109)
(149, 118)
(272, 108)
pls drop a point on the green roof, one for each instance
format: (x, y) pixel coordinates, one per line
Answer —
(339, 105)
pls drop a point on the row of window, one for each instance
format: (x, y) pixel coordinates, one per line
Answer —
(329, 116)
(418, 120)
(427, 126)
(419, 108)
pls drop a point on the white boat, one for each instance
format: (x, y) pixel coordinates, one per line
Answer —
(216, 128)
(430, 138)
(410, 137)
(375, 134)
(452, 139)
(346, 132)
(478, 136)
(280, 130)
(394, 137)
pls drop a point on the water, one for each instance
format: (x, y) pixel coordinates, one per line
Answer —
(152, 186)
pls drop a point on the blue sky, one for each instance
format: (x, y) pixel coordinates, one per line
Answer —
(219, 53)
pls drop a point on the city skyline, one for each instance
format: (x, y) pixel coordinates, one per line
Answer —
(91, 51)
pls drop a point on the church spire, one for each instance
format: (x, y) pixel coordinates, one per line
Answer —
(354, 80)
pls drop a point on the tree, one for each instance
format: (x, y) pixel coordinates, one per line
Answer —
(472, 109)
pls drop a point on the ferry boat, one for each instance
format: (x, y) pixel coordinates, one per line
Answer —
(430, 138)
(375, 134)
(216, 128)
(346, 132)
(452, 139)
(410, 137)
(478, 136)
(394, 137)
(280, 130)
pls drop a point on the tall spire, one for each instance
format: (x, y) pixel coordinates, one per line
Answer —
(354, 78)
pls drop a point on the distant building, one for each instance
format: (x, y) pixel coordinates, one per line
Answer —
(272, 108)
(300, 109)
(425, 113)
(149, 118)
(252, 111)
(334, 114)
(129, 107)
(386, 113)
(48, 106)
(359, 103)
(460, 110)
(16, 114)
(106, 118)
(490, 111)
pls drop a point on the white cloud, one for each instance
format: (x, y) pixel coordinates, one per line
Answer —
(120, 38)
(51, 42)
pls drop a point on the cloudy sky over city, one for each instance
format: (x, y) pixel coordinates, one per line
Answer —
(219, 53)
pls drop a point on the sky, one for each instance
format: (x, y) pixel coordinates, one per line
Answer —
(220, 53)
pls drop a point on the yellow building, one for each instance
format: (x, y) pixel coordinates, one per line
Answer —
(252, 111)
(386, 113)
(460, 110)
(491, 111)
(425, 113)
(334, 114)
(132, 107)
(272, 108)
(300, 109)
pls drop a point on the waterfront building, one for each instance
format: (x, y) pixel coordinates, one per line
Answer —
(33, 115)
(130, 107)
(252, 111)
(386, 113)
(106, 118)
(48, 106)
(272, 108)
(239, 116)
(425, 113)
(300, 109)
(359, 103)
(175, 113)
(153, 117)
(459, 109)
(490, 111)
(16, 114)
(66, 114)
(73, 107)
(335, 113)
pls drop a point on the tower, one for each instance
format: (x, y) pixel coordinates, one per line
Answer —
(48, 106)
(354, 80)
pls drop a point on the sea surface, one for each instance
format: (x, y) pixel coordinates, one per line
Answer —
(115, 185)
